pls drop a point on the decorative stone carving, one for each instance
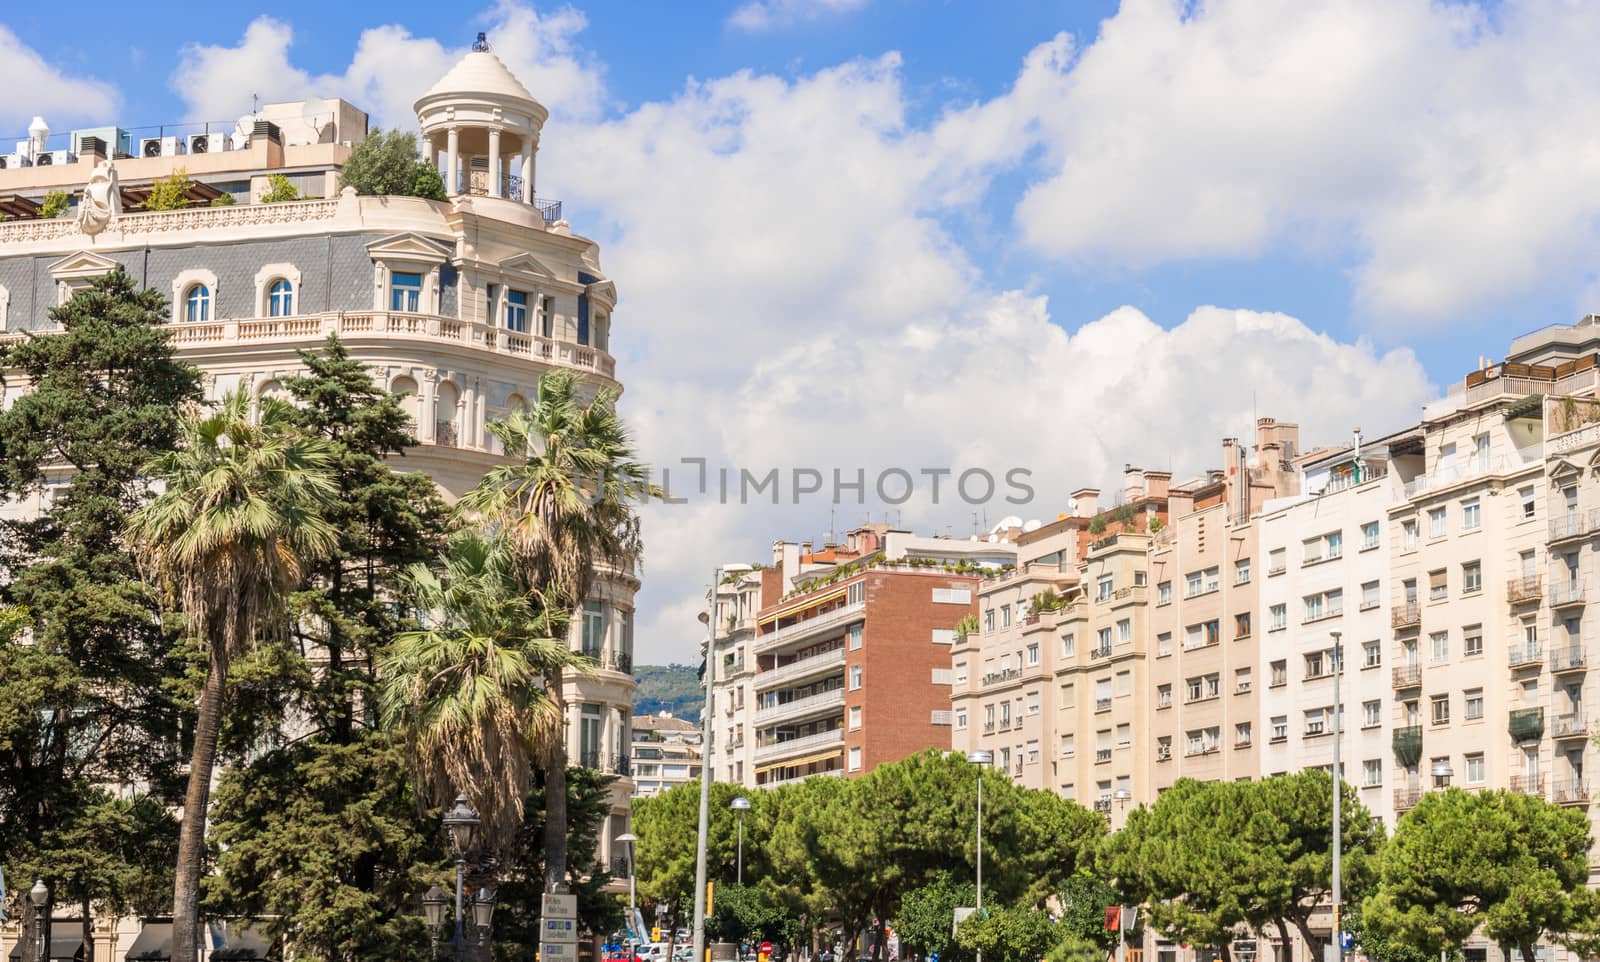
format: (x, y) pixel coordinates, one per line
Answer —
(101, 204)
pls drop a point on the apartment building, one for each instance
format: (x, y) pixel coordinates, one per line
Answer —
(851, 651)
(731, 667)
(1205, 564)
(665, 752)
(1326, 558)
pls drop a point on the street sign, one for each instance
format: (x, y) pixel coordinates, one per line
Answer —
(1113, 917)
(560, 907)
(558, 930)
(1347, 941)
(962, 914)
(558, 952)
(1130, 917)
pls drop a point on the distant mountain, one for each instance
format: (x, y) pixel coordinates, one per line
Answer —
(674, 689)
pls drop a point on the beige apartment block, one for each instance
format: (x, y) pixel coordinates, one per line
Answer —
(1205, 566)
(732, 664)
(1325, 555)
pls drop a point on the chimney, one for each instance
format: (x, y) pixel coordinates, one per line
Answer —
(1132, 483)
(1180, 501)
(1156, 483)
(1086, 502)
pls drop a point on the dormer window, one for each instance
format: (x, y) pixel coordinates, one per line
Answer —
(280, 299)
(197, 303)
(405, 292)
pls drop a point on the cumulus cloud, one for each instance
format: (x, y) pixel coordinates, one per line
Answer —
(35, 87)
(1451, 151)
(768, 14)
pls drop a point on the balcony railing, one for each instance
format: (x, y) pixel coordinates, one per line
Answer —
(1102, 704)
(805, 667)
(444, 434)
(1407, 744)
(1573, 791)
(1520, 656)
(1571, 725)
(1405, 615)
(1575, 526)
(800, 707)
(1407, 676)
(1527, 784)
(1406, 799)
(1102, 755)
(778, 749)
(1524, 590)
(1570, 658)
(1526, 724)
(837, 618)
(1564, 593)
(616, 661)
(825, 773)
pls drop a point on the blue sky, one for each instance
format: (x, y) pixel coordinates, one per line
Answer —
(1062, 234)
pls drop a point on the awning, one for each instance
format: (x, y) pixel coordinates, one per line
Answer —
(802, 760)
(16, 205)
(242, 945)
(63, 948)
(154, 943)
(801, 605)
(198, 195)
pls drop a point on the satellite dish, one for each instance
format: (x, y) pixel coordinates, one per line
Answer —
(242, 130)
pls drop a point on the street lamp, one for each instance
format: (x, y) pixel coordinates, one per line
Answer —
(629, 838)
(483, 910)
(39, 895)
(1338, 779)
(983, 758)
(461, 823)
(433, 904)
(706, 618)
(741, 805)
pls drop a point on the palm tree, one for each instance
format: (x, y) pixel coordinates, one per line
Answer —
(466, 691)
(240, 516)
(566, 507)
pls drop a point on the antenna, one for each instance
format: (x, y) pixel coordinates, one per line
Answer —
(255, 103)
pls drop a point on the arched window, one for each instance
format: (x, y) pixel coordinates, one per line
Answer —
(197, 303)
(280, 300)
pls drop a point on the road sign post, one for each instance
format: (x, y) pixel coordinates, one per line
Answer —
(558, 929)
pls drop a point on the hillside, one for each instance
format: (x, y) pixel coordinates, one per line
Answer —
(674, 689)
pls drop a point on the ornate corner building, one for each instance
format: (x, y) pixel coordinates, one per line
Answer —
(460, 306)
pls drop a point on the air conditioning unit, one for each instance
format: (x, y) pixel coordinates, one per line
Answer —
(13, 161)
(160, 147)
(201, 143)
(55, 158)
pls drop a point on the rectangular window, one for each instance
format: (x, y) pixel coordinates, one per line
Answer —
(855, 760)
(1470, 519)
(1241, 681)
(1164, 697)
(1125, 735)
(547, 316)
(1369, 535)
(1475, 769)
(1441, 709)
(1471, 577)
(1316, 719)
(941, 596)
(1241, 735)
(1069, 645)
(1318, 665)
(1241, 571)
(1371, 714)
(1436, 522)
(1192, 583)
(1241, 625)
(988, 620)
(1124, 630)
(1005, 616)
(517, 311)
(1276, 561)
(857, 594)
(1033, 653)
(855, 720)
(1033, 703)
(1409, 535)
(961, 718)
(594, 628)
(1068, 748)
(1278, 617)
(1371, 772)
(1280, 729)
(1440, 643)
(1473, 700)
(1124, 682)
(943, 676)
(1164, 644)
(944, 636)
(1369, 596)
(1371, 654)
(855, 677)
(1472, 640)
(1526, 494)
(1164, 593)
(853, 633)
(405, 292)
(1438, 585)
(1067, 697)
(1103, 639)
(1032, 749)
(1103, 588)
(1280, 674)
(1313, 605)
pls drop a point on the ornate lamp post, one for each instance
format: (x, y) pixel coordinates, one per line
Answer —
(461, 823)
(433, 904)
(628, 838)
(982, 758)
(741, 805)
(39, 895)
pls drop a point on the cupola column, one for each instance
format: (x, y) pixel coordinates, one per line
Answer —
(452, 172)
(527, 171)
(494, 162)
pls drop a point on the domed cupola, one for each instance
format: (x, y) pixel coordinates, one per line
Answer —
(485, 124)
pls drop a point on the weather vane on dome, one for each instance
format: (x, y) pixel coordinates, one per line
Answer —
(481, 45)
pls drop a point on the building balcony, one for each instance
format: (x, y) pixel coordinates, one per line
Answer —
(1574, 791)
(1571, 658)
(810, 629)
(1577, 526)
(616, 661)
(1527, 784)
(1406, 676)
(1102, 704)
(1406, 799)
(1565, 594)
(1405, 615)
(778, 750)
(825, 773)
(1407, 743)
(1525, 590)
(828, 701)
(1526, 724)
(309, 330)
(1572, 725)
(830, 662)
(1102, 755)
(1522, 656)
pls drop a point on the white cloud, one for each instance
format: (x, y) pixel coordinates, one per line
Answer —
(391, 68)
(768, 14)
(1454, 152)
(34, 87)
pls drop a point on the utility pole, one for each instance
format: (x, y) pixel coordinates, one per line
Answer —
(1338, 824)
(705, 772)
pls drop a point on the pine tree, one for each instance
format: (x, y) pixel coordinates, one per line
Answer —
(90, 699)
